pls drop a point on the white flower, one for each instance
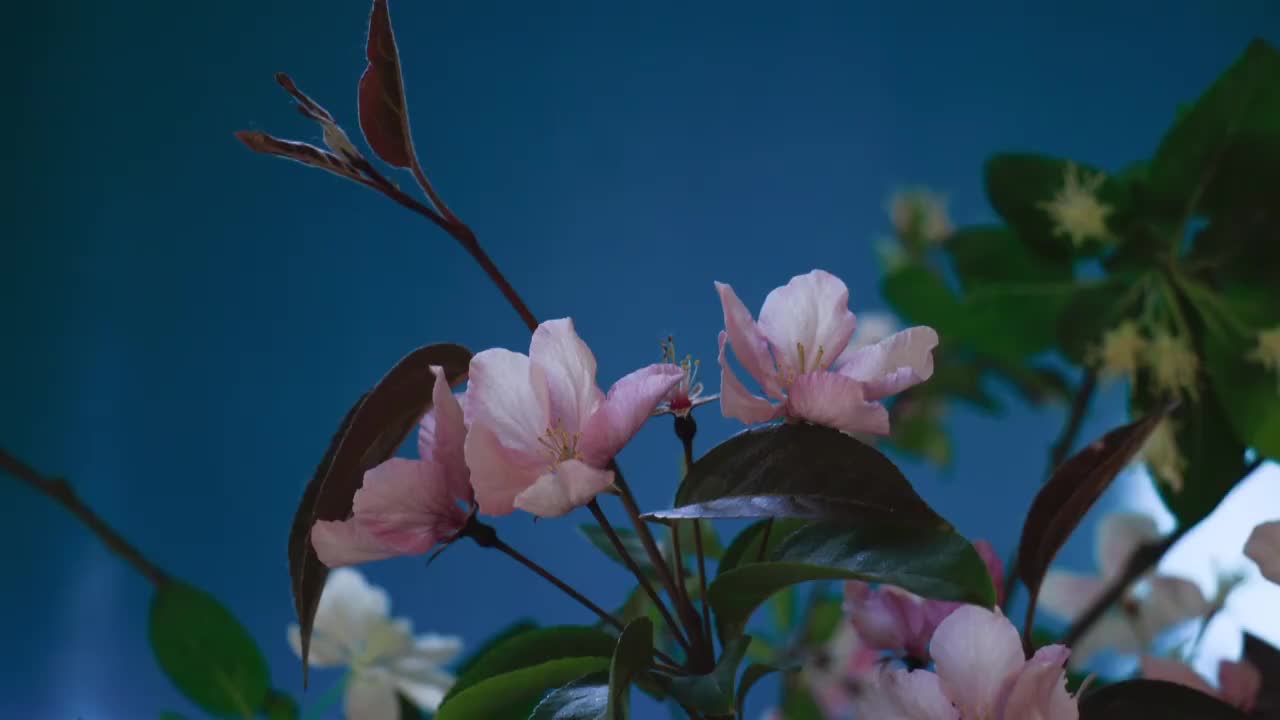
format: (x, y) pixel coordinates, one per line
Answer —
(1075, 210)
(353, 629)
(1155, 605)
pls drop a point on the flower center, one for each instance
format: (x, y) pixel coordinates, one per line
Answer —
(688, 385)
(559, 444)
(789, 375)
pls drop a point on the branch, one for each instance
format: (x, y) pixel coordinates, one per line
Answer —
(62, 493)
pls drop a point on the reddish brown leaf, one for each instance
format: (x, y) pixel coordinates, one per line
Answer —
(384, 117)
(370, 433)
(1063, 501)
(297, 151)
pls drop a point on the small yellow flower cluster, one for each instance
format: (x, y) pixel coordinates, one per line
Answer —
(919, 213)
(1173, 363)
(1267, 352)
(1075, 210)
(1163, 458)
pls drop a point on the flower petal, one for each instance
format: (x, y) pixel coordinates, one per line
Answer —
(1067, 595)
(371, 696)
(437, 649)
(324, 651)
(1263, 547)
(1040, 689)
(1239, 683)
(902, 695)
(570, 371)
(442, 438)
(425, 688)
(894, 364)
(976, 651)
(810, 311)
(508, 394)
(339, 543)
(498, 474)
(737, 402)
(350, 611)
(407, 505)
(749, 345)
(833, 400)
(571, 485)
(1154, 668)
(629, 404)
(1168, 602)
(1119, 534)
(1114, 632)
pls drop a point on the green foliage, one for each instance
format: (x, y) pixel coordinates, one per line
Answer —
(206, 652)
(518, 627)
(583, 699)
(513, 695)
(533, 647)
(630, 658)
(713, 694)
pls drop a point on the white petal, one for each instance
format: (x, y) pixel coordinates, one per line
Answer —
(1066, 595)
(425, 687)
(810, 311)
(508, 394)
(350, 610)
(570, 371)
(893, 364)
(1119, 534)
(324, 651)
(371, 696)
(437, 649)
(1170, 601)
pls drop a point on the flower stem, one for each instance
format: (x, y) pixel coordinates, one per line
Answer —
(62, 493)
(686, 429)
(764, 541)
(603, 521)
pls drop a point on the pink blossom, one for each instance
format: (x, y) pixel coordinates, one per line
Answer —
(1263, 547)
(800, 353)
(981, 674)
(406, 507)
(892, 619)
(687, 394)
(1239, 682)
(542, 433)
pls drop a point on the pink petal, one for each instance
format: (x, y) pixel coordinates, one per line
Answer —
(570, 371)
(1119, 534)
(407, 506)
(1240, 683)
(976, 651)
(629, 404)
(1040, 689)
(810, 311)
(1067, 595)
(347, 542)
(995, 567)
(497, 473)
(894, 364)
(1154, 668)
(442, 437)
(833, 400)
(1263, 547)
(903, 695)
(737, 402)
(572, 484)
(508, 394)
(749, 345)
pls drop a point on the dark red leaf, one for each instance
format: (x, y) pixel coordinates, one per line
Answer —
(370, 434)
(1266, 658)
(1140, 698)
(1063, 501)
(384, 118)
(296, 151)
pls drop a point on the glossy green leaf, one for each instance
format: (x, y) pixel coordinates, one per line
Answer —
(1018, 184)
(798, 470)
(206, 652)
(1226, 148)
(745, 548)
(1248, 390)
(518, 627)
(535, 647)
(584, 699)
(1090, 312)
(514, 695)
(280, 706)
(935, 564)
(632, 655)
(1154, 699)
(713, 694)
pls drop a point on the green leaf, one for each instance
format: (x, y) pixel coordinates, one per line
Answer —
(825, 617)
(1018, 183)
(1072, 490)
(369, 434)
(745, 548)
(783, 609)
(514, 695)
(518, 627)
(1154, 699)
(630, 542)
(280, 706)
(797, 700)
(535, 647)
(632, 655)
(798, 470)
(206, 652)
(712, 694)
(934, 564)
(584, 699)
(1226, 148)
(1249, 392)
(992, 255)
(1014, 321)
(920, 297)
(921, 434)
(1091, 311)
(752, 675)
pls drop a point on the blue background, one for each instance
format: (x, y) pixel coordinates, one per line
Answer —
(185, 322)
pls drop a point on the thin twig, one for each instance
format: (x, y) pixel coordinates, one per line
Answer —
(686, 429)
(678, 559)
(603, 521)
(62, 493)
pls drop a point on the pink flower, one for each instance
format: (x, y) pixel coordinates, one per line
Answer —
(1239, 682)
(1263, 547)
(894, 620)
(406, 507)
(981, 675)
(799, 352)
(687, 394)
(542, 433)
